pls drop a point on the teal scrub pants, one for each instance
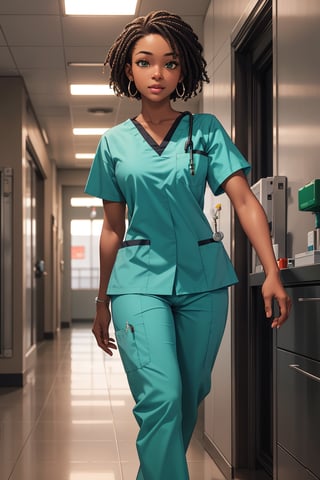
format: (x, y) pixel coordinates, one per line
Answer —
(168, 345)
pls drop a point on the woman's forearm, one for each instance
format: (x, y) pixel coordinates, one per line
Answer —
(254, 222)
(112, 234)
(109, 245)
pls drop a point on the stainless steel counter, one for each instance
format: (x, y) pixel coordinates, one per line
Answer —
(307, 275)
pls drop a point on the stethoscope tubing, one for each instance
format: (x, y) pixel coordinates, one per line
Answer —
(217, 236)
(189, 144)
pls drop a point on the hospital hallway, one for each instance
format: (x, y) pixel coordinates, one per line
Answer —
(73, 420)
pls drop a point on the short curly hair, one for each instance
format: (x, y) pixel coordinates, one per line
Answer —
(181, 38)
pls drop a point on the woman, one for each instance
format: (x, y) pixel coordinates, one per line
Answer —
(168, 280)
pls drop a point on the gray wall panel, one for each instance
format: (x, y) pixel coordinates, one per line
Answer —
(298, 107)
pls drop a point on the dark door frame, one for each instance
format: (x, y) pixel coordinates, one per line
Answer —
(251, 54)
(37, 260)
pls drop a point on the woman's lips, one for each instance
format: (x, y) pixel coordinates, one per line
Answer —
(155, 88)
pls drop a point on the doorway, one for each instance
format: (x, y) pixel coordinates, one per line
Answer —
(252, 340)
(82, 223)
(6, 257)
(34, 250)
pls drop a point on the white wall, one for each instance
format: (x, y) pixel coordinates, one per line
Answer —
(298, 107)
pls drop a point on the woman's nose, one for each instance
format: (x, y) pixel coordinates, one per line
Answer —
(157, 73)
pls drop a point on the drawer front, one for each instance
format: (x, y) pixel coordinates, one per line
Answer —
(301, 332)
(298, 411)
(289, 469)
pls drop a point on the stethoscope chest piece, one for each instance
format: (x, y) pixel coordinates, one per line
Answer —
(218, 236)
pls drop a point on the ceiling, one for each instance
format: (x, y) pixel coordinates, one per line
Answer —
(37, 42)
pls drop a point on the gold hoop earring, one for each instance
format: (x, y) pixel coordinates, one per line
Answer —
(132, 95)
(181, 94)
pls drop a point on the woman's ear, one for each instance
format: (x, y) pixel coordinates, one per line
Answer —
(128, 71)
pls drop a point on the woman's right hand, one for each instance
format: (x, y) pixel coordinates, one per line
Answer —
(100, 329)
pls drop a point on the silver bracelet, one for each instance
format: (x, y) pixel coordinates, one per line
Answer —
(99, 300)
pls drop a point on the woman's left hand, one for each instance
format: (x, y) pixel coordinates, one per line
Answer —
(272, 288)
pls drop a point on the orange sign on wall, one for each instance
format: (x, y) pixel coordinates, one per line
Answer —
(78, 252)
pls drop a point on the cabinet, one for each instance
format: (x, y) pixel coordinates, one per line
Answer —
(297, 387)
(296, 378)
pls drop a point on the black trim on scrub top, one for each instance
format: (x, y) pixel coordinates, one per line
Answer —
(201, 152)
(148, 138)
(206, 241)
(132, 243)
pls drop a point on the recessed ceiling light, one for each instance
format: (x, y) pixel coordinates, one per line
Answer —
(89, 131)
(99, 89)
(85, 64)
(84, 156)
(98, 7)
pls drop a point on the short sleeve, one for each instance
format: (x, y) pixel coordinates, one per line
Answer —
(102, 182)
(224, 157)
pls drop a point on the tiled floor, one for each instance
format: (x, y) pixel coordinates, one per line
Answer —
(73, 420)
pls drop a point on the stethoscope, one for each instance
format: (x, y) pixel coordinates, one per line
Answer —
(189, 144)
(217, 235)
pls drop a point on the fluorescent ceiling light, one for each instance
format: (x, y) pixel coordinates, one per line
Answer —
(100, 7)
(84, 156)
(89, 131)
(99, 89)
(85, 64)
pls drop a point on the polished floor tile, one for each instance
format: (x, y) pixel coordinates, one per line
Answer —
(73, 419)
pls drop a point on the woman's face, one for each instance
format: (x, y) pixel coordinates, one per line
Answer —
(155, 68)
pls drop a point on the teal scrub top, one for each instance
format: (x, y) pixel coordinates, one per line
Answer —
(168, 247)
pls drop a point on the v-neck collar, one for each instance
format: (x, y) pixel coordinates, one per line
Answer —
(150, 140)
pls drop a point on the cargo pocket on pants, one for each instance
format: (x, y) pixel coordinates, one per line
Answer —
(133, 347)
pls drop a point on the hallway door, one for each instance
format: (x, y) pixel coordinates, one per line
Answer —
(33, 252)
(82, 223)
(6, 258)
